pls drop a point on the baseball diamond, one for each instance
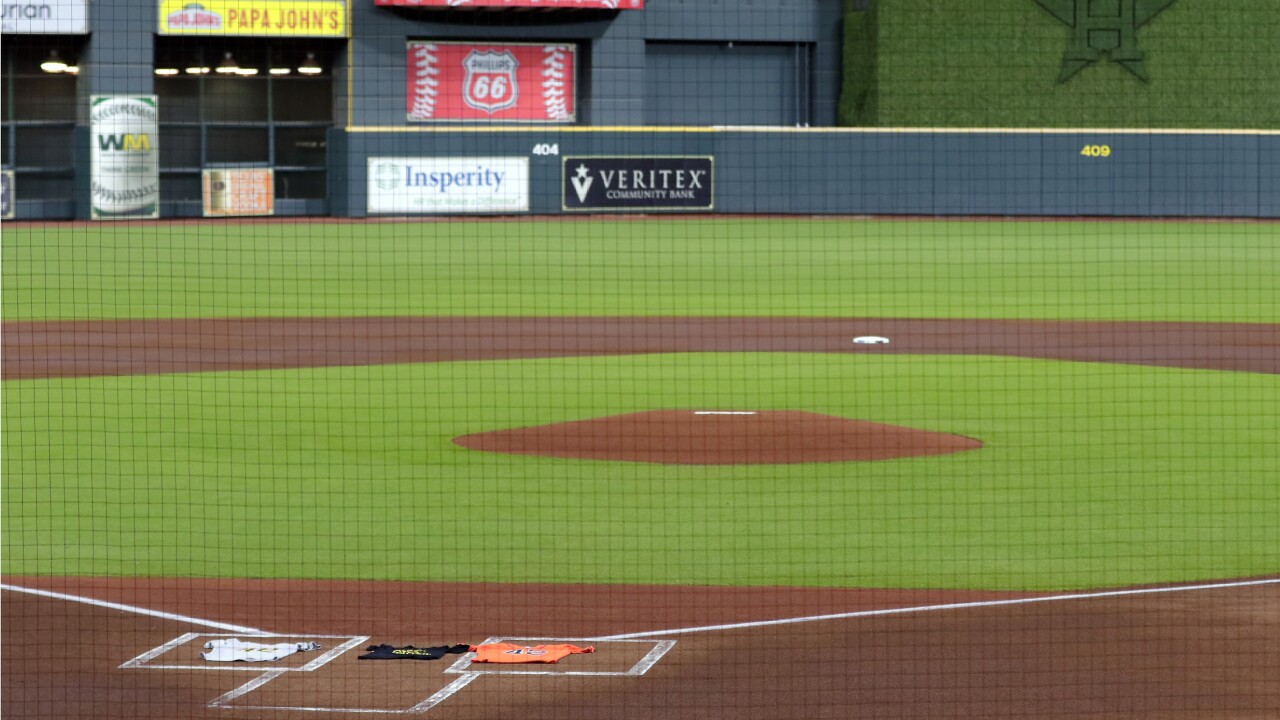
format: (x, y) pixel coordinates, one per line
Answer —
(775, 598)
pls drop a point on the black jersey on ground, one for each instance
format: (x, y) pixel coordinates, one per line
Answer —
(409, 652)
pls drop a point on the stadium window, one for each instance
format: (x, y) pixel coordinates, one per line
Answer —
(38, 96)
(243, 103)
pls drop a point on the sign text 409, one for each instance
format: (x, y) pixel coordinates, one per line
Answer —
(1096, 151)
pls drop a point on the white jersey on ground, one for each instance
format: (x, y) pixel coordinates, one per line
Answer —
(235, 649)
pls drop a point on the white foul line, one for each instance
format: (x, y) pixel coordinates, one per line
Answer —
(134, 609)
(947, 606)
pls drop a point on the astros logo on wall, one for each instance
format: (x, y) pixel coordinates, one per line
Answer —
(490, 83)
(1103, 27)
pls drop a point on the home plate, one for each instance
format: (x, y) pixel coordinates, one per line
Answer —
(871, 340)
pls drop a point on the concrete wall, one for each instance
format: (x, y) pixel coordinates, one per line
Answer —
(928, 173)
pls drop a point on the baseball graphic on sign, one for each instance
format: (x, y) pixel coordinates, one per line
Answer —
(516, 82)
(124, 157)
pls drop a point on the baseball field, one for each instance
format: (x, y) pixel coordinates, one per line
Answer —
(253, 428)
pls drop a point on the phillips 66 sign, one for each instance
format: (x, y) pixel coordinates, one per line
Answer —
(503, 82)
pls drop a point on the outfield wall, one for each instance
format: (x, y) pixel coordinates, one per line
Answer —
(929, 172)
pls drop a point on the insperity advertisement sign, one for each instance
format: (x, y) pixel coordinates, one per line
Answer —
(412, 185)
(638, 184)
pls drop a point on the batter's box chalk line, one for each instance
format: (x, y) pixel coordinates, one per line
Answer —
(466, 675)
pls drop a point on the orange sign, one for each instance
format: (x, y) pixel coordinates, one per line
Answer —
(237, 192)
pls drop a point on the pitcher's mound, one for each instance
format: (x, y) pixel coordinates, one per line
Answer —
(706, 437)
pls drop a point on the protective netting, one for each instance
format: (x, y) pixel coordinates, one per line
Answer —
(627, 359)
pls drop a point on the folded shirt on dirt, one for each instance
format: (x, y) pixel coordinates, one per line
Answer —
(237, 650)
(511, 653)
(409, 652)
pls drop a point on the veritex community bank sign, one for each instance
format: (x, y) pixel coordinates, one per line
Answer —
(638, 184)
(45, 17)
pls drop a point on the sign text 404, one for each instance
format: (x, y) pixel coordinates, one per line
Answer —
(1096, 151)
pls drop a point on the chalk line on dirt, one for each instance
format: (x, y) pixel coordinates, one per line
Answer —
(944, 606)
(134, 609)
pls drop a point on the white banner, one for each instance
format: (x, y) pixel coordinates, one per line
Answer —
(7, 203)
(124, 167)
(402, 185)
(45, 17)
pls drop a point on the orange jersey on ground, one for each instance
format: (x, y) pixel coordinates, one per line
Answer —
(512, 653)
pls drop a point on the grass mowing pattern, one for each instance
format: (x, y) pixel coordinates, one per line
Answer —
(995, 63)
(888, 268)
(1093, 475)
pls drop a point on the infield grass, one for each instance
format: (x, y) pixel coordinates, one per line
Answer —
(1092, 475)
(1220, 272)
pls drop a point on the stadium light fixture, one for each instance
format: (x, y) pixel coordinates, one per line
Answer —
(53, 63)
(227, 65)
(197, 70)
(279, 71)
(310, 66)
(246, 71)
(166, 71)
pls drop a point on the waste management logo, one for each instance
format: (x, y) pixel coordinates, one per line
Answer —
(638, 184)
(403, 185)
(124, 168)
(1103, 28)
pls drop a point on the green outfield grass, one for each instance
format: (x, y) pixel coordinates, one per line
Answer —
(1092, 475)
(899, 268)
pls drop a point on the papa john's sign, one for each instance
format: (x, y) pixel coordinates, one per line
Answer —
(281, 18)
(502, 82)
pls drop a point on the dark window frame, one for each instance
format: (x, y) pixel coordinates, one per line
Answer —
(207, 54)
(27, 50)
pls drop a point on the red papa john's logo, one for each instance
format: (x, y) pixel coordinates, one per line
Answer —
(490, 83)
(194, 16)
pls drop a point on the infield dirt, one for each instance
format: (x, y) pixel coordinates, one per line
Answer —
(1197, 655)
(130, 347)
(691, 437)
